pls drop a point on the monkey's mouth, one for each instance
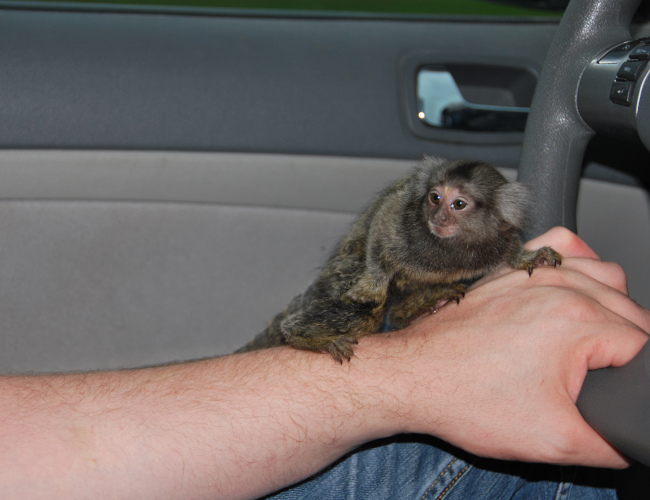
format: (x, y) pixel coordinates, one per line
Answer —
(443, 231)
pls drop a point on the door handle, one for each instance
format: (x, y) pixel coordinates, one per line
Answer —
(441, 103)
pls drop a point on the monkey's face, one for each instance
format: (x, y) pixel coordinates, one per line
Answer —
(447, 208)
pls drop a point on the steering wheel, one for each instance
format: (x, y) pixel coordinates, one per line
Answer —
(595, 79)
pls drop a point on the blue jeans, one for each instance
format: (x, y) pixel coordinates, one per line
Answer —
(418, 467)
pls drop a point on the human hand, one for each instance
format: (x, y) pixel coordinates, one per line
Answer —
(499, 374)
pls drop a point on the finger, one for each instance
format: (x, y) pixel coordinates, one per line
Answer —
(579, 275)
(492, 276)
(564, 241)
(612, 299)
(610, 274)
(616, 351)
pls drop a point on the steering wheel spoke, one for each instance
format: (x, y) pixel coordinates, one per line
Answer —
(613, 96)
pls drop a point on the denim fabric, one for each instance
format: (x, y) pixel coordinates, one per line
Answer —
(417, 467)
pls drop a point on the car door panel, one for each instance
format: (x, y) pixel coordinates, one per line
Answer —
(168, 182)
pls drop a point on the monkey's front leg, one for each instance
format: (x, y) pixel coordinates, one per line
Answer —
(332, 327)
(530, 259)
(411, 305)
(370, 288)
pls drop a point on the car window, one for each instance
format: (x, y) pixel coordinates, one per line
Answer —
(547, 8)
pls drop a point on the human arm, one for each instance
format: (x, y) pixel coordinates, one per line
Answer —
(497, 375)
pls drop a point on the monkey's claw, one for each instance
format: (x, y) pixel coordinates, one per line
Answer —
(545, 255)
(453, 292)
(441, 302)
(340, 348)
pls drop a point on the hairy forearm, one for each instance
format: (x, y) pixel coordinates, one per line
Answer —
(230, 427)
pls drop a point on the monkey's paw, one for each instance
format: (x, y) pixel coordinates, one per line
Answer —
(453, 292)
(429, 301)
(337, 346)
(341, 347)
(545, 255)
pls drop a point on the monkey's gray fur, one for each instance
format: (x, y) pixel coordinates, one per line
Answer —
(412, 250)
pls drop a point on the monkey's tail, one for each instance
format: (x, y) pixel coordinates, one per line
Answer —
(270, 337)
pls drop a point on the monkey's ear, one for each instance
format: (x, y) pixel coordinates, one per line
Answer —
(429, 164)
(512, 200)
(425, 170)
(434, 160)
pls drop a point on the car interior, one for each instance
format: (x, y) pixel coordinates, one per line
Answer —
(171, 176)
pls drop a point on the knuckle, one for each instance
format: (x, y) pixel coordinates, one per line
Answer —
(617, 276)
(563, 448)
(548, 276)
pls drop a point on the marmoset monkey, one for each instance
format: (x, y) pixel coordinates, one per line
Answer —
(414, 249)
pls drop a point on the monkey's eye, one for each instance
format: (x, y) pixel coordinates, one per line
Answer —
(434, 197)
(459, 204)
